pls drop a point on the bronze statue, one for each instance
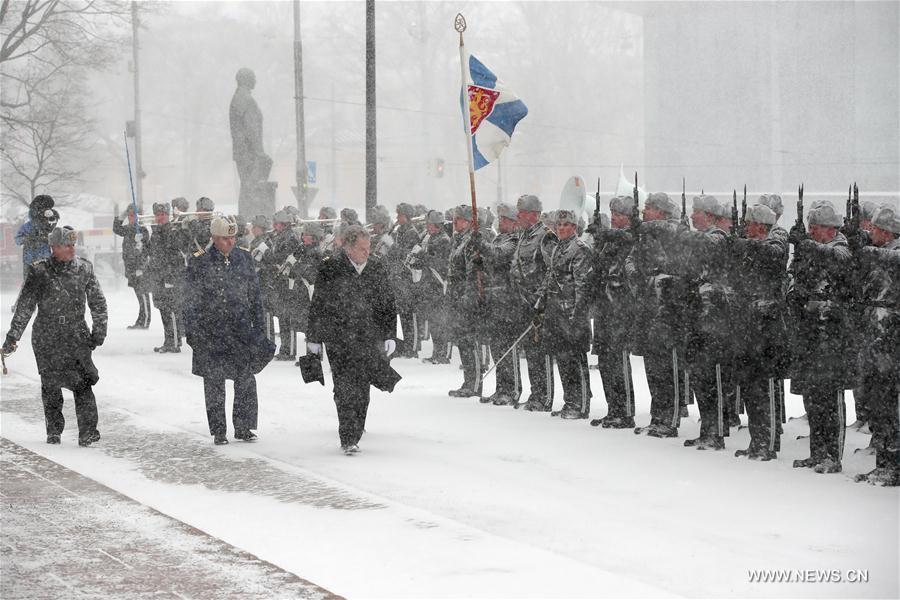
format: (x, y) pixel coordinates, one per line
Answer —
(257, 195)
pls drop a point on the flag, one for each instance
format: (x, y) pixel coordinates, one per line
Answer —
(494, 111)
(626, 188)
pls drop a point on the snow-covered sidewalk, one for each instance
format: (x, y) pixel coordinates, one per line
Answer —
(451, 498)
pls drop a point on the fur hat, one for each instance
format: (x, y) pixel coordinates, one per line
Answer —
(349, 215)
(867, 210)
(262, 221)
(405, 208)
(62, 236)
(41, 203)
(822, 213)
(282, 216)
(463, 211)
(381, 215)
(505, 211)
(313, 229)
(435, 217)
(706, 203)
(661, 201)
(566, 216)
(621, 204)
(205, 204)
(180, 203)
(222, 227)
(327, 212)
(886, 218)
(772, 201)
(160, 208)
(485, 216)
(760, 213)
(530, 203)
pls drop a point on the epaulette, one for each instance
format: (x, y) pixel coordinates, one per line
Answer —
(199, 253)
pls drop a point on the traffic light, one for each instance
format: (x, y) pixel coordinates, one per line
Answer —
(439, 167)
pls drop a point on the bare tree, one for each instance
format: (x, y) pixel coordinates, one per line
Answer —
(42, 145)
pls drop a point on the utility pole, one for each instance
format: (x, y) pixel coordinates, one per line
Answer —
(371, 157)
(138, 163)
(302, 174)
(334, 176)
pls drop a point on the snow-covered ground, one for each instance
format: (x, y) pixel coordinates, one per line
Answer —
(452, 498)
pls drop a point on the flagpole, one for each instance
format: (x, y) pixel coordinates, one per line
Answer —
(460, 25)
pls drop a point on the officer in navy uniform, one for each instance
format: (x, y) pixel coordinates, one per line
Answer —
(225, 328)
(59, 287)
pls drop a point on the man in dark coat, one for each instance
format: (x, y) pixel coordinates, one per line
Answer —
(354, 314)
(164, 272)
(226, 329)
(614, 314)
(59, 287)
(818, 297)
(566, 322)
(134, 256)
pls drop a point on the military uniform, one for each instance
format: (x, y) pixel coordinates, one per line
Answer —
(613, 318)
(61, 339)
(280, 261)
(134, 257)
(566, 321)
(405, 238)
(466, 311)
(504, 322)
(821, 371)
(527, 272)
(165, 269)
(433, 261)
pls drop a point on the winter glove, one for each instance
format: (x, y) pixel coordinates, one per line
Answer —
(314, 348)
(797, 234)
(95, 340)
(389, 347)
(9, 346)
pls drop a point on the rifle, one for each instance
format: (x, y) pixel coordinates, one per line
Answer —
(684, 219)
(799, 222)
(635, 210)
(597, 207)
(742, 229)
(734, 213)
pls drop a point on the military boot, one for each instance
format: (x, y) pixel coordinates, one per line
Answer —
(662, 430)
(828, 465)
(883, 476)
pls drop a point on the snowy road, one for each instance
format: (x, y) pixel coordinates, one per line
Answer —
(451, 498)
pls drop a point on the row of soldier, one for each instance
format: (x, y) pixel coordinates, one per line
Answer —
(718, 312)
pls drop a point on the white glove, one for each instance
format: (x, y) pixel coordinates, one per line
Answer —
(313, 348)
(138, 273)
(389, 346)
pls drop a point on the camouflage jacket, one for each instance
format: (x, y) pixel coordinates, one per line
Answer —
(527, 266)
(566, 290)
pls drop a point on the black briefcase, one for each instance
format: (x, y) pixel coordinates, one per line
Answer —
(311, 368)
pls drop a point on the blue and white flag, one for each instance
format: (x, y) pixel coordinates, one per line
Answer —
(494, 111)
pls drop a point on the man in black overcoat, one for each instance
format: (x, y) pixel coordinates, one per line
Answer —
(353, 312)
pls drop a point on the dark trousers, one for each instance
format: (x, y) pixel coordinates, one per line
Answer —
(540, 369)
(573, 373)
(244, 411)
(509, 381)
(288, 333)
(708, 384)
(85, 409)
(860, 404)
(144, 306)
(167, 314)
(351, 391)
(825, 409)
(409, 325)
(882, 391)
(470, 355)
(618, 385)
(270, 325)
(663, 377)
(763, 404)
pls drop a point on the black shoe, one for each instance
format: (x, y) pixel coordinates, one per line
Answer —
(763, 455)
(712, 442)
(504, 400)
(350, 449)
(138, 326)
(693, 442)
(246, 435)
(52, 439)
(220, 440)
(828, 465)
(534, 406)
(572, 413)
(464, 392)
(89, 439)
(663, 431)
(489, 399)
(881, 476)
(739, 453)
(617, 422)
(806, 463)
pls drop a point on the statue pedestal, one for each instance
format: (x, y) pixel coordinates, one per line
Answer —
(258, 199)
